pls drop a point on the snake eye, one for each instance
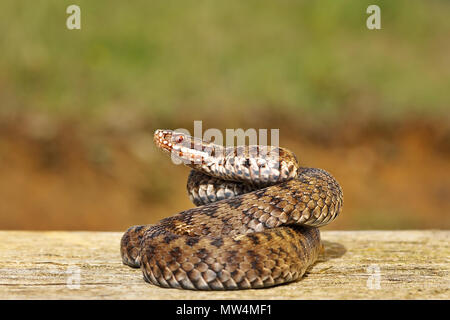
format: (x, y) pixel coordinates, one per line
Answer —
(179, 139)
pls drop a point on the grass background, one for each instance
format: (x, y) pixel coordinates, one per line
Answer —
(163, 57)
(310, 68)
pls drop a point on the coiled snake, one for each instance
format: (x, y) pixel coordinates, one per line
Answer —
(256, 224)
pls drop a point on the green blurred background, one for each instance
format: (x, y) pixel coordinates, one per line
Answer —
(78, 107)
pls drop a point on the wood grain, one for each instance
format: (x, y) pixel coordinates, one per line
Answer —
(354, 265)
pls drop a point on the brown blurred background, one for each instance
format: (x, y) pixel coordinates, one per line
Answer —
(78, 108)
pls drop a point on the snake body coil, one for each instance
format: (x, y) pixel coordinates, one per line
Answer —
(256, 224)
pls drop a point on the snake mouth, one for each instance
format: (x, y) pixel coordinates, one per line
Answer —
(163, 139)
(172, 141)
(182, 146)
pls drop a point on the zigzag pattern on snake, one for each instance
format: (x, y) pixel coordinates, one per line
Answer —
(256, 224)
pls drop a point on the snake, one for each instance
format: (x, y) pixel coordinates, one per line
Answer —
(255, 224)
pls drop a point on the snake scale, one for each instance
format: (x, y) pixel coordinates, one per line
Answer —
(255, 224)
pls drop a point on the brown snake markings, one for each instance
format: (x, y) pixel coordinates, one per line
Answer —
(256, 224)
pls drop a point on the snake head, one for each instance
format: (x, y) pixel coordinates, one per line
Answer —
(181, 146)
(168, 140)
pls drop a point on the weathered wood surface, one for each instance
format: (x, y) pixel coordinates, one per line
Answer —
(354, 265)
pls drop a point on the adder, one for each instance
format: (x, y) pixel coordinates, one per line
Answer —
(256, 224)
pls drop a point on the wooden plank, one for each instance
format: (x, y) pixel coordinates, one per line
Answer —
(354, 265)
